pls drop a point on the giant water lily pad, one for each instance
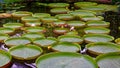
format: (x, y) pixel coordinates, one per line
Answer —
(33, 35)
(59, 10)
(65, 17)
(32, 24)
(45, 42)
(65, 60)
(48, 19)
(82, 13)
(91, 18)
(35, 29)
(110, 60)
(17, 41)
(59, 23)
(94, 8)
(97, 38)
(108, 7)
(13, 25)
(5, 30)
(96, 30)
(41, 15)
(5, 59)
(3, 37)
(102, 48)
(83, 4)
(98, 24)
(60, 30)
(58, 5)
(20, 14)
(25, 52)
(76, 23)
(66, 47)
(30, 19)
(70, 38)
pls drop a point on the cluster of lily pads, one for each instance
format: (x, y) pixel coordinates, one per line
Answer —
(29, 39)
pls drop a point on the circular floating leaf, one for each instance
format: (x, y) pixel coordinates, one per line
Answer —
(17, 41)
(65, 60)
(33, 35)
(44, 42)
(59, 10)
(82, 4)
(35, 29)
(5, 30)
(102, 47)
(110, 60)
(21, 14)
(76, 23)
(5, 58)
(3, 37)
(48, 19)
(96, 30)
(13, 25)
(58, 5)
(65, 17)
(25, 52)
(41, 15)
(66, 47)
(30, 19)
(60, 30)
(98, 24)
(97, 38)
(70, 38)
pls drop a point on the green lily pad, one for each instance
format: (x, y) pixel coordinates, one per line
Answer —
(66, 47)
(76, 23)
(5, 58)
(64, 17)
(93, 18)
(59, 23)
(98, 24)
(21, 14)
(32, 24)
(41, 15)
(93, 8)
(5, 30)
(82, 13)
(83, 4)
(48, 19)
(102, 48)
(13, 25)
(30, 19)
(60, 30)
(108, 7)
(70, 38)
(110, 60)
(59, 10)
(25, 52)
(3, 37)
(96, 30)
(97, 38)
(45, 42)
(58, 5)
(35, 29)
(33, 35)
(17, 41)
(65, 60)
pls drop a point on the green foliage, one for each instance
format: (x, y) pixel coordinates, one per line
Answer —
(11, 1)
